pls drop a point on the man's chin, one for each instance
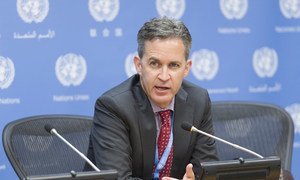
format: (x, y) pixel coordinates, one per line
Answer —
(162, 104)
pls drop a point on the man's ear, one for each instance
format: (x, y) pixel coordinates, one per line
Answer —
(187, 67)
(137, 63)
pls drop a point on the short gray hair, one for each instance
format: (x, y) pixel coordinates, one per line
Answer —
(163, 28)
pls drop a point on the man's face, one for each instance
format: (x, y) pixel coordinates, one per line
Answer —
(162, 69)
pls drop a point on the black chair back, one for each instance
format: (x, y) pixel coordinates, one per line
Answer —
(33, 151)
(263, 128)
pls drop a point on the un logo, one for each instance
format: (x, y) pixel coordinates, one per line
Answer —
(129, 64)
(234, 9)
(294, 111)
(104, 10)
(265, 62)
(70, 69)
(205, 64)
(170, 8)
(290, 8)
(7, 72)
(33, 10)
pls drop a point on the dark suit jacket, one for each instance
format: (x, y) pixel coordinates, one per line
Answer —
(123, 136)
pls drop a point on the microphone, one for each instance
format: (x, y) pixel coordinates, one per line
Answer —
(50, 129)
(188, 127)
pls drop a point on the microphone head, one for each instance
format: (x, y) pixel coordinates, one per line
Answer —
(186, 126)
(48, 128)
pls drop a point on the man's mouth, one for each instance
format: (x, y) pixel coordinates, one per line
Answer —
(162, 88)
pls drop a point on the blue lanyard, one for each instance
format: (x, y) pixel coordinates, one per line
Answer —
(159, 164)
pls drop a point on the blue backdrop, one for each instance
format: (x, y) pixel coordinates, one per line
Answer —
(58, 56)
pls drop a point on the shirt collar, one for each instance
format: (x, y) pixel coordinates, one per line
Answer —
(156, 108)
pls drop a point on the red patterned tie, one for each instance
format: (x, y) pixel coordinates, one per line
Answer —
(163, 140)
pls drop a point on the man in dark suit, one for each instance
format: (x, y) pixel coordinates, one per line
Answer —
(128, 133)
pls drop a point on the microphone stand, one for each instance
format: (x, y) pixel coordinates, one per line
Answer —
(53, 131)
(226, 142)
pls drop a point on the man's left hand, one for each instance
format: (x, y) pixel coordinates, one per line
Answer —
(189, 174)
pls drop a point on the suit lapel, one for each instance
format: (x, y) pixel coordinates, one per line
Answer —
(183, 112)
(147, 128)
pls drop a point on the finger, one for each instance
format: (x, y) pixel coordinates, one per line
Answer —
(189, 171)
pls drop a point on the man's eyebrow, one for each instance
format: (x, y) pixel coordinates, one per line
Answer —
(153, 59)
(156, 59)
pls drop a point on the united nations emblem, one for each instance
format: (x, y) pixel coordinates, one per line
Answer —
(170, 8)
(205, 64)
(104, 10)
(33, 10)
(234, 9)
(294, 111)
(129, 64)
(70, 69)
(7, 72)
(265, 62)
(290, 8)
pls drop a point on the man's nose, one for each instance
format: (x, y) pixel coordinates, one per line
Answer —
(164, 74)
